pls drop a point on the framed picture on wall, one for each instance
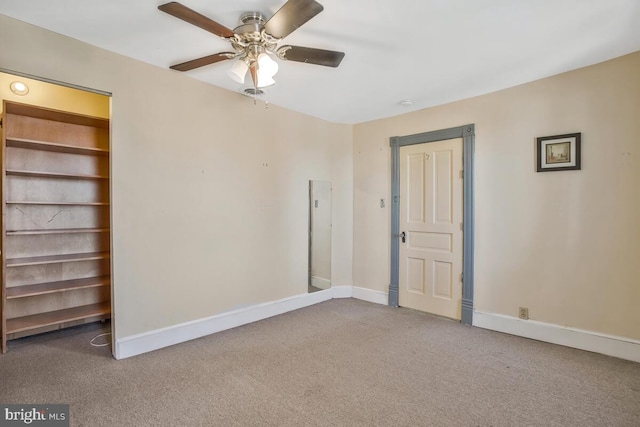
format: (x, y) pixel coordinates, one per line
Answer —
(558, 153)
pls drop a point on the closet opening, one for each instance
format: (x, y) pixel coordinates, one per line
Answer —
(56, 208)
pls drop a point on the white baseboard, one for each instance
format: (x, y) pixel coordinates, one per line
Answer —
(159, 338)
(623, 348)
(153, 340)
(377, 297)
(342, 291)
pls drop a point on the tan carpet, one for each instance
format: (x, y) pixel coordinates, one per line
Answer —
(339, 363)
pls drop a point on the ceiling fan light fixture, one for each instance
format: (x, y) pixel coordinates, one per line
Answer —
(267, 65)
(238, 71)
(264, 80)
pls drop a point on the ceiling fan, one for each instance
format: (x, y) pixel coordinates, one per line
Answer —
(256, 40)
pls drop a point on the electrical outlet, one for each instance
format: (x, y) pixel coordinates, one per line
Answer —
(523, 313)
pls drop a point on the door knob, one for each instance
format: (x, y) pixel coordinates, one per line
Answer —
(403, 236)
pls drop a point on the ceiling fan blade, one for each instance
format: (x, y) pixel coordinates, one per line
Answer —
(292, 15)
(309, 55)
(201, 62)
(192, 17)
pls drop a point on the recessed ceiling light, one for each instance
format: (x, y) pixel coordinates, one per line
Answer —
(19, 88)
(406, 102)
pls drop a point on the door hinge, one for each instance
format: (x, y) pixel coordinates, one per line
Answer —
(462, 226)
(0, 123)
(461, 174)
(462, 277)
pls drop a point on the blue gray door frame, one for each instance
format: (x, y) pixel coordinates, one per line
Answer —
(467, 133)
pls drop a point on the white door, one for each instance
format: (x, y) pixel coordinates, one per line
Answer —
(431, 220)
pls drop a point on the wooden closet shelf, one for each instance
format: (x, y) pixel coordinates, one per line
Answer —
(41, 174)
(20, 324)
(33, 144)
(32, 202)
(52, 259)
(53, 287)
(56, 115)
(56, 231)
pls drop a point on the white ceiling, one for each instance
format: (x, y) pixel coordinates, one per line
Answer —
(429, 51)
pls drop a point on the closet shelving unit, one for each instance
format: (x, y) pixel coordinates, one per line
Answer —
(55, 220)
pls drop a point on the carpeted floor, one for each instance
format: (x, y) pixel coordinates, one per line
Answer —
(339, 363)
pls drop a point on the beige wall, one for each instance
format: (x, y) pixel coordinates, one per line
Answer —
(564, 244)
(209, 191)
